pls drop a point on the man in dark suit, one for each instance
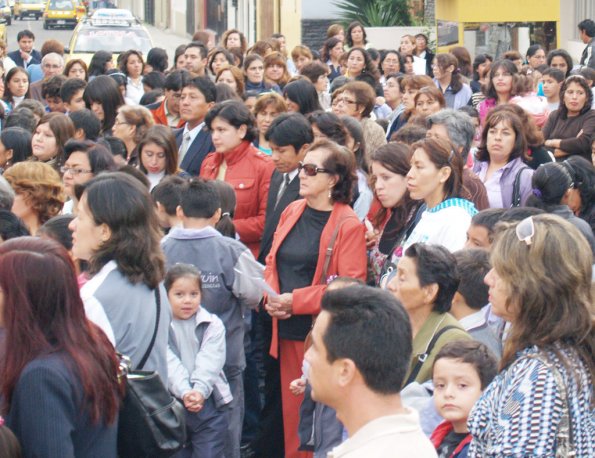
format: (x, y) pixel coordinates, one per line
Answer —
(290, 136)
(194, 139)
(25, 55)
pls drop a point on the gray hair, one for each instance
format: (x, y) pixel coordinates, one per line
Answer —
(6, 194)
(53, 55)
(459, 126)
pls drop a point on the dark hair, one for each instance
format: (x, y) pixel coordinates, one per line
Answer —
(168, 192)
(341, 163)
(583, 177)
(473, 265)
(409, 134)
(329, 43)
(104, 90)
(205, 86)
(436, 265)
(488, 218)
(51, 87)
(303, 93)
(25, 34)
(290, 129)
(71, 63)
(532, 50)
(564, 55)
(329, 124)
(35, 106)
(444, 61)
(474, 353)
(157, 58)
(369, 65)
(364, 95)
(200, 199)
(516, 214)
(352, 26)
(13, 71)
(11, 226)
(23, 118)
(508, 65)
(100, 158)
(588, 73)
(154, 80)
(520, 141)
(219, 50)
(85, 119)
(19, 141)
(225, 92)
(163, 137)
(98, 62)
(176, 80)
(70, 87)
(227, 197)
(125, 206)
(370, 327)
(44, 313)
(123, 60)
(384, 54)
(235, 113)
(463, 60)
(201, 47)
(555, 73)
(480, 59)
(181, 270)
(441, 153)
(150, 97)
(116, 146)
(587, 26)
(314, 70)
(577, 79)
(550, 182)
(56, 228)
(177, 53)
(356, 132)
(120, 78)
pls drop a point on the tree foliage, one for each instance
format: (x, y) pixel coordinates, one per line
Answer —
(376, 13)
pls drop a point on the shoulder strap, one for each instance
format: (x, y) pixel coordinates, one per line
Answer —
(143, 360)
(421, 359)
(329, 251)
(516, 188)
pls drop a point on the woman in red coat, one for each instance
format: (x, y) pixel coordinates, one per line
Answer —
(298, 266)
(241, 165)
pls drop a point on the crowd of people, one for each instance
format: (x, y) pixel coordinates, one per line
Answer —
(344, 252)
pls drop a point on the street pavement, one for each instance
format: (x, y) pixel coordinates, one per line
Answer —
(161, 39)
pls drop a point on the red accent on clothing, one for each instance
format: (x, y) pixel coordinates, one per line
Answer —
(442, 431)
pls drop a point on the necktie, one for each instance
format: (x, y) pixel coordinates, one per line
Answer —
(282, 188)
(183, 148)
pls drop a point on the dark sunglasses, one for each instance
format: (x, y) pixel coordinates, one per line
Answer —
(311, 170)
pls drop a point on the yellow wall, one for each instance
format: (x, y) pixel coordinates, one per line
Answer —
(283, 16)
(463, 11)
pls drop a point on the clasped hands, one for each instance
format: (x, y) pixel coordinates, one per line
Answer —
(281, 306)
(193, 401)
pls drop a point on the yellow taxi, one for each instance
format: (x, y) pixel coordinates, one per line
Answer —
(5, 13)
(28, 8)
(110, 29)
(62, 13)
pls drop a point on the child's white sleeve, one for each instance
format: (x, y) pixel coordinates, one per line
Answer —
(178, 379)
(210, 359)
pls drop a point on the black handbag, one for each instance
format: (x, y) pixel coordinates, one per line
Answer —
(151, 421)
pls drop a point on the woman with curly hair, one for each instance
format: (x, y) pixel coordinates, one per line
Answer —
(131, 126)
(233, 38)
(233, 77)
(39, 194)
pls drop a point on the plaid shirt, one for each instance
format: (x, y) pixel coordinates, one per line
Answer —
(519, 412)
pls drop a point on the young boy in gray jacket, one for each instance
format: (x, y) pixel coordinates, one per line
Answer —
(195, 358)
(228, 272)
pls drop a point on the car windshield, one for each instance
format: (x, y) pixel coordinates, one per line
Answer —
(115, 40)
(29, 2)
(61, 5)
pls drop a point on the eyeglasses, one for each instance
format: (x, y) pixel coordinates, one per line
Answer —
(75, 171)
(344, 100)
(311, 170)
(54, 66)
(119, 122)
(525, 230)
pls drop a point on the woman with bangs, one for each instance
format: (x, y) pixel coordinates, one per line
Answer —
(500, 160)
(410, 86)
(267, 108)
(450, 81)
(59, 362)
(39, 194)
(275, 69)
(570, 129)
(500, 87)
(158, 155)
(219, 58)
(103, 97)
(428, 100)
(541, 402)
(233, 77)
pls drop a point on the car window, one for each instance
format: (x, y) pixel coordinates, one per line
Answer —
(112, 40)
(30, 2)
(61, 5)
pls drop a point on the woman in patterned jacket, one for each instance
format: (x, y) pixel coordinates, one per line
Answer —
(541, 403)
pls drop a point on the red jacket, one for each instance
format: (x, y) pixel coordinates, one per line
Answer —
(161, 118)
(249, 172)
(440, 433)
(348, 258)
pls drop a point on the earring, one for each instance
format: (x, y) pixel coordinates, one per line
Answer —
(330, 193)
